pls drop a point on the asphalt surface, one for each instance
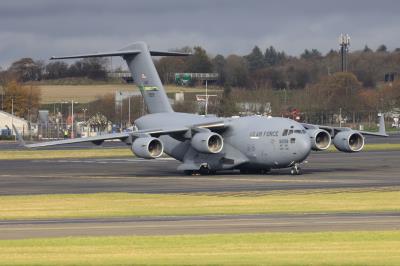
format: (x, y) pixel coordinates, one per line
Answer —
(12, 145)
(199, 225)
(323, 171)
(394, 137)
(367, 170)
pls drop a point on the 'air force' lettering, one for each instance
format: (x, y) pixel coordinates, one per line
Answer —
(265, 133)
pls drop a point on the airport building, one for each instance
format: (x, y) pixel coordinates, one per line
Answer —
(7, 120)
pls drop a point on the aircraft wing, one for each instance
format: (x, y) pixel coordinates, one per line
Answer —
(334, 130)
(95, 139)
(127, 137)
(215, 125)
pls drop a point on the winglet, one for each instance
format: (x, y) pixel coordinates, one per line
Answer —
(19, 137)
(382, 129)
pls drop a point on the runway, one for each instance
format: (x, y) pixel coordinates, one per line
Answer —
(323, 171)
(199, 225)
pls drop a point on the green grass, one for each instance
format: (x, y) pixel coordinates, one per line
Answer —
(382, 147)
(123, 152)
(326, 248)
(126, 204)
(58, 154)
(375, 147)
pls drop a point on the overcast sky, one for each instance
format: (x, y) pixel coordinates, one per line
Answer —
(42, 28)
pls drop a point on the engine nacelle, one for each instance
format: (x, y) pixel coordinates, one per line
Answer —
(147, 147)
(349, 141)
(320, 139)
(207, 142)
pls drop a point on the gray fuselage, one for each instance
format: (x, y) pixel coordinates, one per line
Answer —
(253, 142)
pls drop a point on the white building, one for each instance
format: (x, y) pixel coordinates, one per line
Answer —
(7, 120)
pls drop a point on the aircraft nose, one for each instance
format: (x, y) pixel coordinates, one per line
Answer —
(304, 146)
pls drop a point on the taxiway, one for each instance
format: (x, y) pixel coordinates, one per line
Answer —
(323, 171)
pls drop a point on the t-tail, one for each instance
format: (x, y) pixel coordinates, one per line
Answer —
(144, 73)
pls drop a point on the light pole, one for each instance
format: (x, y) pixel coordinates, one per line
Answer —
(120, 93)
(206, 108)
(129, 111)
(84, 121)
(72, 117)
(84, 114)
(2, 99)
(12, 115)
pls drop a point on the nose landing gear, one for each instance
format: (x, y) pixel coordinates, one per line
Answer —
(295, 170)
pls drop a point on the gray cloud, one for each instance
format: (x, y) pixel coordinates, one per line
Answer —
(43, 28)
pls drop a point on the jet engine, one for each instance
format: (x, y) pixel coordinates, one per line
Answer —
(147, 147)
(349, 141)
(320, 139)
(207, 142)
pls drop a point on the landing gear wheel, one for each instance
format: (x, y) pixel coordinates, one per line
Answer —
(188, 172)
(244, 171)
(295, 170)
(265, 171)
(254, 171)
(204, 170)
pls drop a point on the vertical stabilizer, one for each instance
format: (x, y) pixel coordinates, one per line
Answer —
(145, 76)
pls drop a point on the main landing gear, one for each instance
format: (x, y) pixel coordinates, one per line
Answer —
(204, 170)
(254, 171)
(295, 170)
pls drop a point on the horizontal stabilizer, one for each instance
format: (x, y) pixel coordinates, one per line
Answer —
(160, 53)
(119, 53)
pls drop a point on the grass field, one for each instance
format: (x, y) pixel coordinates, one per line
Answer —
(327, 248)
(127, 204)
(122, 152)
(58, 154)
(375, 147)
(87, 93)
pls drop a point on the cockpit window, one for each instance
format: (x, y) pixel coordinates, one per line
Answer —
(287, 132)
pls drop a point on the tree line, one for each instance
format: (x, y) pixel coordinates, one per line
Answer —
(28, 69)
(311, 81)
(269, 68)
(276, 70)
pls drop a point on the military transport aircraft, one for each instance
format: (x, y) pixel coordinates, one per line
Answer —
(207, 144)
